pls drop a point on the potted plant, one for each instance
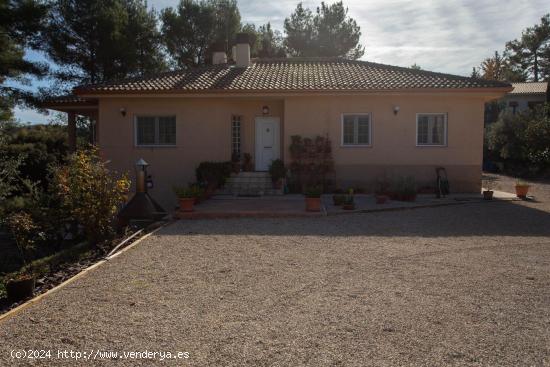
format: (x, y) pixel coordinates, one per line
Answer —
(349, 202)
(404, 189)
(381, 192)
(522, 188)
(21, 285)
(197, 192)
(235, 162)
(186, 198)
(248, 165)
(277, 170)
(488, 192)
(313, 198)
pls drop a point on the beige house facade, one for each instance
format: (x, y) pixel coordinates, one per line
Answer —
(384, 122)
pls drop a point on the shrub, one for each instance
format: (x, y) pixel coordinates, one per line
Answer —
(313, 191)
(404, 189)
(90, 194)
(213, 174)
(192, 191)
(311, 162)
(26, 234)
(277, 170)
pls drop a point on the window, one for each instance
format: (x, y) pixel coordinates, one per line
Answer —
(356, 129)
(236, 135)
(155, 130)
(431, 129)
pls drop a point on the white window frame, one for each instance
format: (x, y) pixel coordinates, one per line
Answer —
(156, 145)
(445, 129)
(342, 130)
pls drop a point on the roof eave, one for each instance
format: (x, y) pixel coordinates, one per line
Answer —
(224, 92)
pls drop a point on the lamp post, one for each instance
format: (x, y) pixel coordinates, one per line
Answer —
(141, 175)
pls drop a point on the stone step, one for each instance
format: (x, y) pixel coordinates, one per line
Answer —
(251, 174)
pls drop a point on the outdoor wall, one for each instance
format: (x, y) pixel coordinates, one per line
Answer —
(203, 133)
(393, 152)
(522, 101)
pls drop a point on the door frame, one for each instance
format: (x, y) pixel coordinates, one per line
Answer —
(257, 122)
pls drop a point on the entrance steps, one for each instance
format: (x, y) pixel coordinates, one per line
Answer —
(250, 184)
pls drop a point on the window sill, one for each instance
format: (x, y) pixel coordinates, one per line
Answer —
(431, 145)
(154, 146)
(355, 145)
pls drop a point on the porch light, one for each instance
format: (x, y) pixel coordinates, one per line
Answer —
(123, 112)
(395, 110)
(265, 110)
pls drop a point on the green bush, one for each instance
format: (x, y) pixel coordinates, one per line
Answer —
(213, 174)
(277, 170)
(313, 191)
(90, 194)
(522, 141)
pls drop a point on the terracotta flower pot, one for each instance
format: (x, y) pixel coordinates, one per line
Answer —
(488, 195)
(381, 199)
(313, 204)
(521, 191)
(19, 289)
(186, 204)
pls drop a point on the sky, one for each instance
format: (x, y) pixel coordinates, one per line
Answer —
(448, 36)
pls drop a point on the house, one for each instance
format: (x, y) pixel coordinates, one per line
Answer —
(384, 121)
(526, 95)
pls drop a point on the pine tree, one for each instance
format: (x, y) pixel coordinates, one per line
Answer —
(21, 21)
(328, 32)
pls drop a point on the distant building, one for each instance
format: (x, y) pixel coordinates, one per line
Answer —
(526, 95)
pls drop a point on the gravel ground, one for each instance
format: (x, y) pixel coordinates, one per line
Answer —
(467, 285)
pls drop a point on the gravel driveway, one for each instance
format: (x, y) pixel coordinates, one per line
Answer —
(466, 285)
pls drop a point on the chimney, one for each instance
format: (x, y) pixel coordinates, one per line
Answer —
(218, 55)
(242, 58)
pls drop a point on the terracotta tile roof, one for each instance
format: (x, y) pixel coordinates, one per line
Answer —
(529, 88)
(292, 75)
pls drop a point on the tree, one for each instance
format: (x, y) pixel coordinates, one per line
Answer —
(498, 67)
(330, 32)
(21, 21)
(93, 41)
(475, 73)
(190, 30)
(531, 53)
(270, 42)
(264, 41)
(522, 140)
(415, 67)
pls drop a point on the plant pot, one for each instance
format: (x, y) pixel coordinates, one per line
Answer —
(521, 191)
(186, 204)
(488, 195)
(20, 289)
(313, 204)
(381, 199)
(277, 185)
(348, 206)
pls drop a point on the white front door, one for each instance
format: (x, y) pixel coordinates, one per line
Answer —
(268, 147)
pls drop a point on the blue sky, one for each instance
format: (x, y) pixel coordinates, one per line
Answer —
(448, 36)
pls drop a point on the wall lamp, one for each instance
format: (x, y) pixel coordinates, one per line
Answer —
(395, 110)
(265, 110)
(123, 111)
